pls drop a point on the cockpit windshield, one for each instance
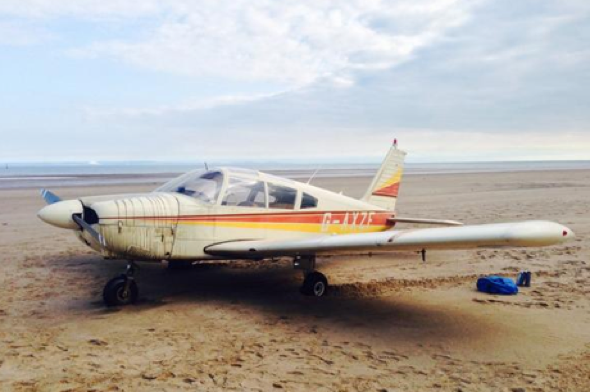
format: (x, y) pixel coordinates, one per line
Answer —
(202, 186)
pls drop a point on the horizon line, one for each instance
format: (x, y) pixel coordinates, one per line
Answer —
(93, 162)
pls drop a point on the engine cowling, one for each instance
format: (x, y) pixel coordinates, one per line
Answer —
(139, 227)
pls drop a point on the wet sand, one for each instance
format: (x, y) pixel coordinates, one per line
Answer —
(392, 322)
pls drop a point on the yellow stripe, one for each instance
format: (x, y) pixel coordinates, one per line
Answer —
(394, 179)
(301, 227)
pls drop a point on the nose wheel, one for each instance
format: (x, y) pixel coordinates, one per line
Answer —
(122, 290)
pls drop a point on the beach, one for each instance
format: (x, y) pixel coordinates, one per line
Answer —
(390, 323)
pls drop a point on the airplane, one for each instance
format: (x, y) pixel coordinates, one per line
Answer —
(230, 214)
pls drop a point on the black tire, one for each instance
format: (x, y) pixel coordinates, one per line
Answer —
(315, 284)
(115, 293)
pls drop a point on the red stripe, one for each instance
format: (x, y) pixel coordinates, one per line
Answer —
(378, 218)
(390, 191)
(285, 218)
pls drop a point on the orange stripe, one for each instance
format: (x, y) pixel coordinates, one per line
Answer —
(377, 218)
(317, 222)
(352, 217)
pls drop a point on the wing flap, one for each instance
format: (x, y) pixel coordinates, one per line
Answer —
(521, 234)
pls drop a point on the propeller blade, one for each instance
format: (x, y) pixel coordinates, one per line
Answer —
(49, 196)
(93, 233)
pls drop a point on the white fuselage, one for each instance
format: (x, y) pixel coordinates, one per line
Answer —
(176, 226)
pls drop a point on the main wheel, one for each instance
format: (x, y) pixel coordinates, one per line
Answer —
(119, 292)
(315, 284)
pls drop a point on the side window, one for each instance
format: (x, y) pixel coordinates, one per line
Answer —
(244, 193)
(281, 197)
(308, 201)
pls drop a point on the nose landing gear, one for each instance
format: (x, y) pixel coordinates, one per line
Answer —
(122, 290)
(315, 283)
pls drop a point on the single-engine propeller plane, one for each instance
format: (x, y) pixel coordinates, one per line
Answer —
(229, 214)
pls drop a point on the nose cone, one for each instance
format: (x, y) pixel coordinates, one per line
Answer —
(60, 214)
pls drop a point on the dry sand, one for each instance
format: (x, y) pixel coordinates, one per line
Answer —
(393, 323)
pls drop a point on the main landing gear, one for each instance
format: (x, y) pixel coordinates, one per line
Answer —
(314, 283)
(122, 289)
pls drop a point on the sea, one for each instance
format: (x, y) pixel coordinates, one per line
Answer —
(39, 175)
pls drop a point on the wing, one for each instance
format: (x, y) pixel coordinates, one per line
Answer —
(521, 234)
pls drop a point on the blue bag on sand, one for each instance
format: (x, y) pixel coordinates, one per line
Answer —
(497, 285)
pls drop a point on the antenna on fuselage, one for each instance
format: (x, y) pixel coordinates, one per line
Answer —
(313, 175)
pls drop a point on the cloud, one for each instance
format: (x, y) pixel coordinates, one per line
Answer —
(20, 33)
(85, 9)
(92, 112)
(293, 44)
(501, 92)
(453, 80)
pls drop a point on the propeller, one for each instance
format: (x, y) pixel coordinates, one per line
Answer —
(96, 236)
(58, 213)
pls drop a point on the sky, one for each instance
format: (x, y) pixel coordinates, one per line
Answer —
(317, 80)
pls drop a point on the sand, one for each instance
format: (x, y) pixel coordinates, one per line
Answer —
(392, 323)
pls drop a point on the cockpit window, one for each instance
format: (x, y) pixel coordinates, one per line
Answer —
(244, 193)
(281, 197)
(308, 201)
(202, 186)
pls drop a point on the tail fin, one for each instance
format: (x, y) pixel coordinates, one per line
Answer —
(385, 186)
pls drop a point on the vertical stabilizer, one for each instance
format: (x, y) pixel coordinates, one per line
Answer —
(385, 186)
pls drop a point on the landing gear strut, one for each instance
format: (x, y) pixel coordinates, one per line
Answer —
(314, 283)
(122, 289)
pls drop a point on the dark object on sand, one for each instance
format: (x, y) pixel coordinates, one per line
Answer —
(497, 285)
(524, 279)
